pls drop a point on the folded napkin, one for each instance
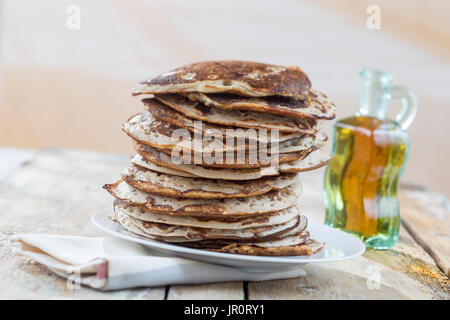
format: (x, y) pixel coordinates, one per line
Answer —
(108, 263)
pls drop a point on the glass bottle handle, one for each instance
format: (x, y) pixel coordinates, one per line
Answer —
(409, 101)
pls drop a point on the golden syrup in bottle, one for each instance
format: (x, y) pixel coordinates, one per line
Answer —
(369, 156)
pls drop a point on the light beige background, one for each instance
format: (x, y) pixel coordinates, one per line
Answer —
(69, 88)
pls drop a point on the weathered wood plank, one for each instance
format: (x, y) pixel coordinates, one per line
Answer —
(426, 215)
(213, 291)
(55, 193)
(404, 272)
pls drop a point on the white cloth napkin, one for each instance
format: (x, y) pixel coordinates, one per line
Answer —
(108, 263)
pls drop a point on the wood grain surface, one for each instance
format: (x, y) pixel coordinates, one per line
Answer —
(426, 216)
(57, 190)
(55, 193)
(214, 291)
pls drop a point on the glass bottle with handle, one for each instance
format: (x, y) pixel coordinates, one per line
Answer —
(369, 156)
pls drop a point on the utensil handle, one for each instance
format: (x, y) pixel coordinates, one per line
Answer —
(409, 109)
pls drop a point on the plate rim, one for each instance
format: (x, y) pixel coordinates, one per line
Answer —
(284, 260)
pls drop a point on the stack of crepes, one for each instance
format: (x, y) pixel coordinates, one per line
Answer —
(218, 152)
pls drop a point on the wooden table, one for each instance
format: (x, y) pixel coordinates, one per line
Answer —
(55, 191)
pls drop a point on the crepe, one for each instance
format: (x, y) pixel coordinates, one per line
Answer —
(218, 151)
(233, 160)
(286, 244)
(168, 232)
(269, 219)
(235, 207)
(317, 106)
(159, 161)
(129, 226)
(139, 161)
(168, 115)
(144, 128)
(198, 188)
(300, 247)
(239, 77)
(314, 160)
(292, 243)
(235, 118)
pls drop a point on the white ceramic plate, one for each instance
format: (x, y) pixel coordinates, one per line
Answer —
(339, 246)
